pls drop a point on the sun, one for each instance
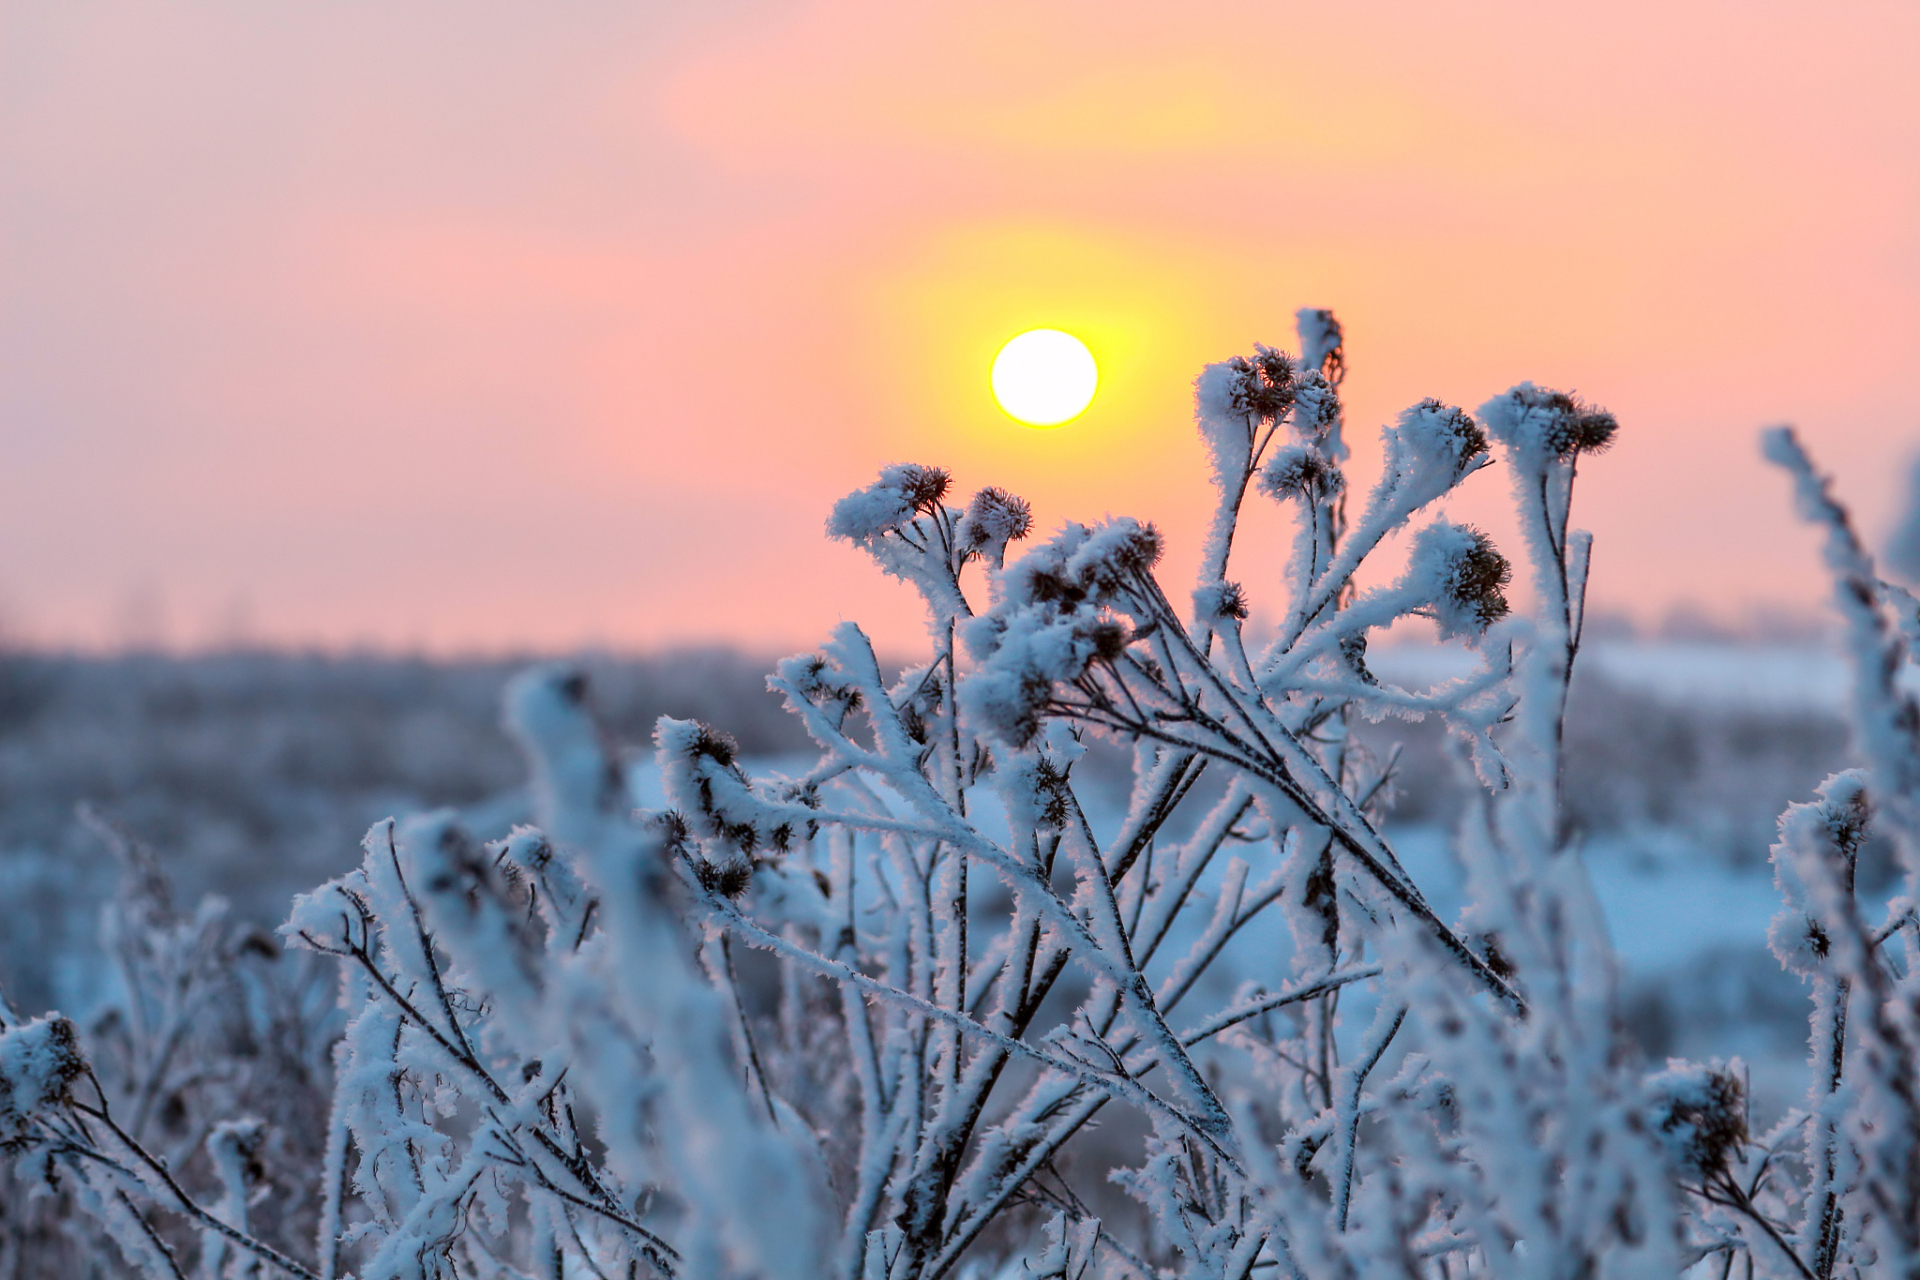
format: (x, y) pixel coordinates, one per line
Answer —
(1044, 378)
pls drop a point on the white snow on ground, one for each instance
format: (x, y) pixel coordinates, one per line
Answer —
(1768, 677)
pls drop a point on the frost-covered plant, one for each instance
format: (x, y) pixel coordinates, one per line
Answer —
(864, 1020)
(209, 1055)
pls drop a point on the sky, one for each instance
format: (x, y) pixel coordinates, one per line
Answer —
(475, 327)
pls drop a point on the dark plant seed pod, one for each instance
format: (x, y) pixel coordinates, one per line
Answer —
(923, 486)
(1109, 640)
(995, 515)
(728, 879)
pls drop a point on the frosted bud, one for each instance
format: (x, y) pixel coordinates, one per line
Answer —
(1024, 652)
(994, 518)
(1322, 342)
(1435, 436)
(1538, 423)
(1252, 390)
(1457, 570)
(38, 1064)
(1353, 652)
(1234, 397)
(819, 682)
(1300, 471)
(1316, 415)
(1699, 1113)
(1040, 576)
(1219, 601)
(700, 770)
(1813, 868)
(888, 503)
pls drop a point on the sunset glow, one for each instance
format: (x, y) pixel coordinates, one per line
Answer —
(1044, 378)
(456, 328)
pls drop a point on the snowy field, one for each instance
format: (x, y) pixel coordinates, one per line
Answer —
(253, 777)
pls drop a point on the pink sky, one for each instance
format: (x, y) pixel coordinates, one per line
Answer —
(474, 326)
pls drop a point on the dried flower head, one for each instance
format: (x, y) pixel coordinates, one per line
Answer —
(1449, 435)
(1262, 388)
(1115, 553)
(729, 879)
(1848, 811)
(1057, 616)
(715, 745)
(883, 506)
(1220, 600)
(1554, 424)
(1301, 471)
(920, 486)
(1479, 574)
(1109, 639)
(994, 518)
(1700, 1113)
(39, 1061)
(1316, 407)
(1456, 568)
(1081, 567)
(1353, 651)
(1813, 866)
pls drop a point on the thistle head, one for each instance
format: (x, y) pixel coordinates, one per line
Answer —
(993, 519)
(39, 1061)
(1316, 408)
(1301, 471)
(1115, 553)
(1548, 424)
(1813, 866)
(1220, 601)
(729, 879)
(1456, 568)
(1699, 1113)
(1261, 389)
(1437, 435)
(903, 490)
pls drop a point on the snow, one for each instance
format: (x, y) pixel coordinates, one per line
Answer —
(1719, 675)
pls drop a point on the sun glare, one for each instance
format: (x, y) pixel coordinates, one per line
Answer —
(1044, 378)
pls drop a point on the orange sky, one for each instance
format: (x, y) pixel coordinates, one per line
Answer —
(474, 326)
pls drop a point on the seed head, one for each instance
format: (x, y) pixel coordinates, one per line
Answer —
(1700, 1113)
(1556, 424)
(1301, 471)
(728, 879)
(1263, 387)
(891, 501)
(994, 518)
(1457, 569)
(39, 1062)
(1220, 601)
